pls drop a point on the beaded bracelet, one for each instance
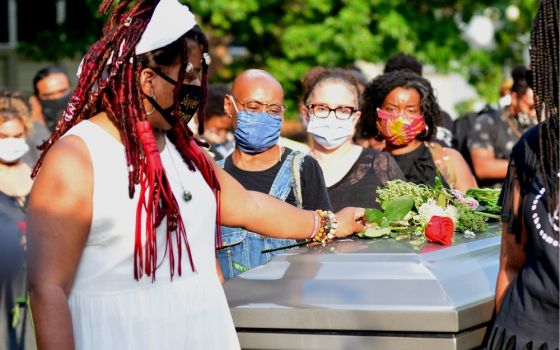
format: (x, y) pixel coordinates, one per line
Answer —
(327, 226)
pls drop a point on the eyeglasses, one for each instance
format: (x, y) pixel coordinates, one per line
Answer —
(256, 106)
(323, 111)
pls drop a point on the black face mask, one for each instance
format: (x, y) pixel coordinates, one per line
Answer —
(189, 99)
(52, 109)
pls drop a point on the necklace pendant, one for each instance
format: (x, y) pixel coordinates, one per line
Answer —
(187, 195)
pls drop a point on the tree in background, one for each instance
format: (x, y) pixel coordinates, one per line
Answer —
(44, 35)
(287, 37)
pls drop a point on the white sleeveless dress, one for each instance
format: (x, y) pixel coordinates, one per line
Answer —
(110, 309)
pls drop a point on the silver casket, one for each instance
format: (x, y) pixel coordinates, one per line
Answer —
(369, 294)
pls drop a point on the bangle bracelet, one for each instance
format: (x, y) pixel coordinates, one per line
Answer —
(315, 224)
(333, 225)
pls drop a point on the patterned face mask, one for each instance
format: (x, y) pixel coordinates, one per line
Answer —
(399, 129)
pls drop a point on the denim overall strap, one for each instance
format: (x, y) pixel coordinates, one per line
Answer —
(296, 165)
(283, 183)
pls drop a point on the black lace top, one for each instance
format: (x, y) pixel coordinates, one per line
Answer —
(529, 312)
(357, 188)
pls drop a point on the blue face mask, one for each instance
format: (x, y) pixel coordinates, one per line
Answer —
(256, 132)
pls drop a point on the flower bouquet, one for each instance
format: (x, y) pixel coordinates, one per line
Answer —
(433, 213)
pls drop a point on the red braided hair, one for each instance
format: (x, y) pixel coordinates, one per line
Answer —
(108, 82)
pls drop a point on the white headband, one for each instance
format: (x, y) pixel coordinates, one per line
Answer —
(169, 22)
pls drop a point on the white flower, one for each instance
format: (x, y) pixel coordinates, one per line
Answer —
(469, 234)
(430, 208)
(451, 212)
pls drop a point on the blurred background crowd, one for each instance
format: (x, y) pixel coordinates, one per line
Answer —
(460, 65)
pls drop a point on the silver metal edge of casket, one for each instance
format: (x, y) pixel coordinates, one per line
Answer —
(461, 278)
(283, 341)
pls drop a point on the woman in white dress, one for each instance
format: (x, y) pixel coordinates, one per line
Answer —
(124, 191)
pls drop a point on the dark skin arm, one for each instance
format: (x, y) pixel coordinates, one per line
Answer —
(486, 166)
(464, 179)
(60, 211)
(259, 212)
(512, 257)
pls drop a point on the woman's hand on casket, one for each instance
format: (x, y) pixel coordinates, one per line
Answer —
(350, 221)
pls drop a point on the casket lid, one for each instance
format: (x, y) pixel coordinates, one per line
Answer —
(381, 285)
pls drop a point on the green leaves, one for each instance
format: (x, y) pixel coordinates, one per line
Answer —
(393, 210)
(375, 232)
(391, 218)
(396, 209)
(488, 197)
(374, 216)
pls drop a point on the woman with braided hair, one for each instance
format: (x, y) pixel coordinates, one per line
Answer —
(527, 284)
(123, 191)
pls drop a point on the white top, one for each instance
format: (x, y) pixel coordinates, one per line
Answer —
(110, 309)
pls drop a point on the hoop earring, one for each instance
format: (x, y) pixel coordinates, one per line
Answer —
(153, 107)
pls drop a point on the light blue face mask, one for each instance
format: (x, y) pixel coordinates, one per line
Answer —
(256, 132)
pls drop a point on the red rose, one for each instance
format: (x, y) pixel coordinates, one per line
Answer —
(440, 229)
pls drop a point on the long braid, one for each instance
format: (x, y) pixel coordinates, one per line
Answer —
(544, 65)
(181, 136)
(91, 82)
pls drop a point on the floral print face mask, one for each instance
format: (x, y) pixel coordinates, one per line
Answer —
(399, 129)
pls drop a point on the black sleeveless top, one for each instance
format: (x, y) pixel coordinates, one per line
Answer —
(529, 311)
(418, 166)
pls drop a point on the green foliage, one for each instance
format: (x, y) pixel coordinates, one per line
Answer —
(392, 218)
(467, 219)
(287, 37)
(400, 188)
(488, 197)
(397, 208)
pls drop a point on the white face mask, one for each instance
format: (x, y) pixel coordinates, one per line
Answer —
(12, 149)
(330, 132)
